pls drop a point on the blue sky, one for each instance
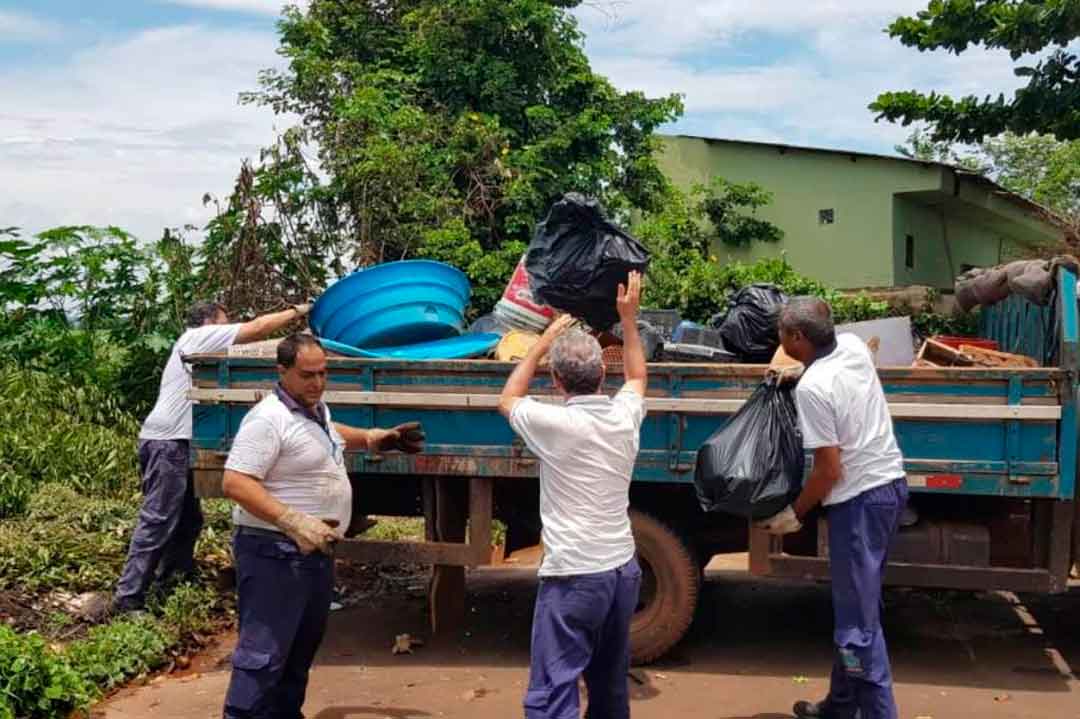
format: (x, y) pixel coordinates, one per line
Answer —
(124, 111)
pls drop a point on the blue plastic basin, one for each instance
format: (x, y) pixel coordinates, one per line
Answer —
(393, 304)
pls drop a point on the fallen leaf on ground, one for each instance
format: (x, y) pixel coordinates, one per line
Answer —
(474, 694)
(800, 680)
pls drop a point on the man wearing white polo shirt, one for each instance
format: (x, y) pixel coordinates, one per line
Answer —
(589, 577)
(286, 472)
(858, 476)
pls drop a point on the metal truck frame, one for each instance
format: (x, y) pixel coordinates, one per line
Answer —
(989, 449)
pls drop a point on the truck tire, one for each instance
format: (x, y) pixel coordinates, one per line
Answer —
(670, 581)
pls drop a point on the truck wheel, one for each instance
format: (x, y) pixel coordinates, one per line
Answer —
(670, 580)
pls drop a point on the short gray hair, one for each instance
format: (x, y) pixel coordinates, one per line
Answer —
(578, 363)
(811, 317)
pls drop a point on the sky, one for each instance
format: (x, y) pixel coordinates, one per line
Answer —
(125, 112)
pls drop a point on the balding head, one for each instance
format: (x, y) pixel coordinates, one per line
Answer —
(577, 363)
(806, 328)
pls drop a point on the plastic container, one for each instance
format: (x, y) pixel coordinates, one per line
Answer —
(518, 309)
(955, 342)
(665, 321)
(695, 334)
(393, 304)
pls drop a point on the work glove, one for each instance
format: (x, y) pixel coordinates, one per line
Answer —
(784, 375)
(408, 437)
(784, 522)
(302, 310)
(309, 533)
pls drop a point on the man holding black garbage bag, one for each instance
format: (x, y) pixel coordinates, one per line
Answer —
(589, 577)
(858, 475)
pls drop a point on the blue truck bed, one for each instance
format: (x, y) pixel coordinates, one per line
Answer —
(974, 434)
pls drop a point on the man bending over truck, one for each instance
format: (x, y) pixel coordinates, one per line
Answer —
(163, 544)
(286, 472)
(858, 475)
(589, 577)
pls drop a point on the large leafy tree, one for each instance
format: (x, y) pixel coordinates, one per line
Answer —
(1049, 103)
(440, 128)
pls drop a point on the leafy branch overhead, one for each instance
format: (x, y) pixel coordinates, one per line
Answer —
(421, 120)
(1049, 103)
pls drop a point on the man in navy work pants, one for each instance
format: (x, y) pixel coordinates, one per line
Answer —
(163, 543)
(858, 475)
(286, 472)
(589, 577)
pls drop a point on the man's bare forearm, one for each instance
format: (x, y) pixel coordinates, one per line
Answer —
(634, 366)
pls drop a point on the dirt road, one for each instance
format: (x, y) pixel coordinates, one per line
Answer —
(754, 649)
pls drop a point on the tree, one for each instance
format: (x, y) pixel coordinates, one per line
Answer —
(1049, 103)
(446, 128)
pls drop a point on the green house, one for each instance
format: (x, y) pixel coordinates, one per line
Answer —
(853, 220)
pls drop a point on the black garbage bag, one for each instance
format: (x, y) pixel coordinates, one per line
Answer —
(749, 329)
(577, 259)
(753, 465)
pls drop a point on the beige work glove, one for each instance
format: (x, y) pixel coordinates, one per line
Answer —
(783, 522)
(302, 310)
(309, 533)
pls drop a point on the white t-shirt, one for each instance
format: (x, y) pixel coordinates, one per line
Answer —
(171, 416)
(841, 404)
(299, 463)
(587, 449)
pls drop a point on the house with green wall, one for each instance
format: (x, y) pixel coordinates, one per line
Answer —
(854, 220)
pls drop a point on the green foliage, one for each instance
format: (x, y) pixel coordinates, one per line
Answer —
(36, 682)
(114, 652)
(188, 611)
(443, 130)
(55, 431)
(1049, 103)
(730, 208)
(89, 304)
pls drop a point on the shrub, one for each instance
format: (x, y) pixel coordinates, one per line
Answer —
(37, 682)
(115, 652)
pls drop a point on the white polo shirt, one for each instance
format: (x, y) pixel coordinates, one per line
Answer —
(841, 404)
(300, 463)
(587, 449)
(171, 417)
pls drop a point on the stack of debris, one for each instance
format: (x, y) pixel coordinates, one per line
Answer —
(938, 354)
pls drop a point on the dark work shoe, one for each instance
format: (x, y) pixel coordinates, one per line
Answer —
(818, 710)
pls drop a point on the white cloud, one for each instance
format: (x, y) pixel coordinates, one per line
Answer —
(21, 27)
(132, 133)
(800, 72)
(265, 7)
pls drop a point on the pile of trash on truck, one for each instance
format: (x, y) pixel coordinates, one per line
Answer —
(416, 309)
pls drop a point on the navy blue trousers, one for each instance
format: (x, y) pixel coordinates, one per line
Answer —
(283, 602)
(581, 626)
(170, 519)
(860, 531)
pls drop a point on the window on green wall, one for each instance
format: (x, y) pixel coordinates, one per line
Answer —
(909, 252)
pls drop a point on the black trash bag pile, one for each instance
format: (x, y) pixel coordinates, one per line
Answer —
(577, 260)
(753, 465)
(749, 329)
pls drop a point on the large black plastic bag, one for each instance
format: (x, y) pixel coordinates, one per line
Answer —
(577, 260)
(753, 465)
(749, 329)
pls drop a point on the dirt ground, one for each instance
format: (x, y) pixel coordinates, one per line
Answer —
(754, 649)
